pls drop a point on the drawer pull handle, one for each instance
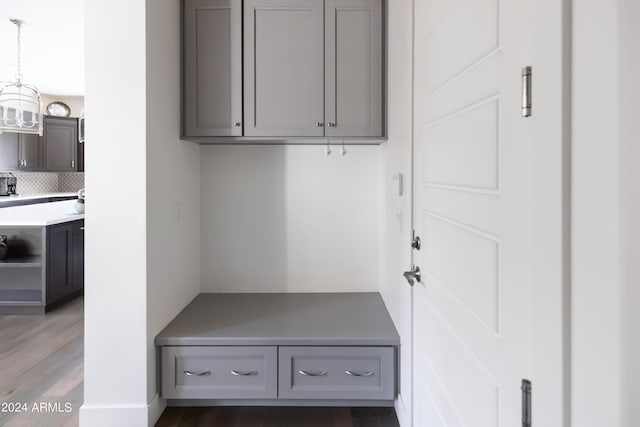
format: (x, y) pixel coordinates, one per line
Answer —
(313, 374)
(201, 374)
(243, 374)
(355, 374)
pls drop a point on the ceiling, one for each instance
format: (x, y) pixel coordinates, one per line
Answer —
(52, 44)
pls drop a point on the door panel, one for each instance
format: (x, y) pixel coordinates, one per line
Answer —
(353, 67)
(213, 67)
(8, 151)
(78, 255)
(30, 152)
(59, 261)
(472, 209)
(283, 56)
(60, 141)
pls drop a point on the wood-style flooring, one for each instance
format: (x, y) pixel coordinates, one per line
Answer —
(277, 417)
(42, 367)
(42, 364)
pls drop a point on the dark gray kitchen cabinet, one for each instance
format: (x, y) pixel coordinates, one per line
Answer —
(212, 68)
(65, 261)
(80, 167)
(353, 68)
(30, 152)
(60, 143)
(59, 261)
(77, 255)
(283, 68)
(8, 151)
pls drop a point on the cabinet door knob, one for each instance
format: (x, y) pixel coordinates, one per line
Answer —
(73, 164)
(237, 124)
(332, 124)
(319, 124)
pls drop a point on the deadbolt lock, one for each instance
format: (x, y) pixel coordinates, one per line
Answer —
(416, 243)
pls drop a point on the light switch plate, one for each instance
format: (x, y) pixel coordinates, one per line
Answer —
(398, 184)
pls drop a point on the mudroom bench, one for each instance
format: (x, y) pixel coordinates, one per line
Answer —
(285, 349)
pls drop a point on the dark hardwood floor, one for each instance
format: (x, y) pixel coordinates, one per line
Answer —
(42, 364)
(278, 417)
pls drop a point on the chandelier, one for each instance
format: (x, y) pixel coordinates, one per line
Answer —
(20, 104)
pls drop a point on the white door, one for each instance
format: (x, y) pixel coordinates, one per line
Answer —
(473, 210)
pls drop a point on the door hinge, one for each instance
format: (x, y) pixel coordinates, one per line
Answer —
(527, 75)
(526, 403)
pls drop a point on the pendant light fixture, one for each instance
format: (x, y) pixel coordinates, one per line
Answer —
(20, 104)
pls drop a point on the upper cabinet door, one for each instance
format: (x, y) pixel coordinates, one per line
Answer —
(213, 68)
(31, 152)
(283, 73)
(60, 142)
(353, 68)
(8, 151)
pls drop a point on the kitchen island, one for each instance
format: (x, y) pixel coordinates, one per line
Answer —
(44, 263)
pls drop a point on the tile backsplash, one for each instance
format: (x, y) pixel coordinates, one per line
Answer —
(48, 182)
(70, 181)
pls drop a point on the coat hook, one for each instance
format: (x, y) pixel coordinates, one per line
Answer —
(327, 149)
(343, 149)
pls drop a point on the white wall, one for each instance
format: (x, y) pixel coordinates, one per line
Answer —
(289, 219)
(173, 186)
(75, 103)
(395, 232)
(606, 220)
(115, 376)
(629, 89)
(142, 245)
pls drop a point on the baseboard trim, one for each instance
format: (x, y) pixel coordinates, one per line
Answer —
(403, 414)
(110, 416)
(156, 408)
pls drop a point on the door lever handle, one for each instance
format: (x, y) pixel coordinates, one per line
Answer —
(413, 275)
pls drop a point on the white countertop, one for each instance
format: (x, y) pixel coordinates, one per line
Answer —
(40, 214)
(4, 199)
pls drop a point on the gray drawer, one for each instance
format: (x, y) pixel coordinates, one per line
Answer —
(219, 372)
(336, 373)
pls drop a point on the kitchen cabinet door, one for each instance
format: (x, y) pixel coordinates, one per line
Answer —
(77, 256)
(283, 68)
(59, 261)
(212, 68)
(60, 144)
(353, 68)
(31, 152)
(8, 151)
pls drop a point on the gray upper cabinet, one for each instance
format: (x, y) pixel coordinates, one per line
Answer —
(30, 152)
(60, 142)
(353, 68)
(283, 68)
(8, 151)
(212, 68)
